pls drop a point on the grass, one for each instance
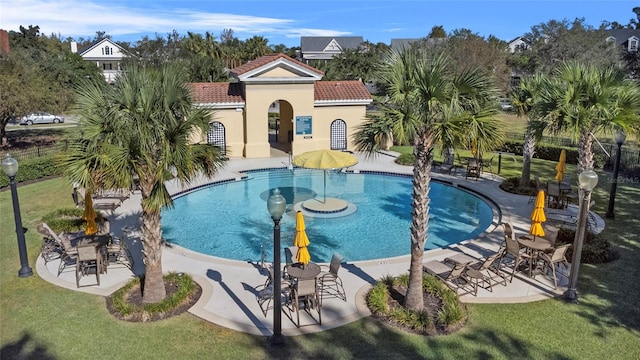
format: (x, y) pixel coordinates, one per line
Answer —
(39, 320)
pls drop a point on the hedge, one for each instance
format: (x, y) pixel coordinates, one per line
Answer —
(33, 169)
(551, 152)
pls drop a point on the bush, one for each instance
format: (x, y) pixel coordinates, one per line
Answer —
(512, 185)
(68, 220)
(406, 159)
(33, 169)
(595, 248)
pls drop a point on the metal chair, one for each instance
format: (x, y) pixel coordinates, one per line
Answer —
(556, 257)
(330, 282)
(305, 297)
(89, 258)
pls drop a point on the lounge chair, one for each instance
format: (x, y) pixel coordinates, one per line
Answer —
(452, 276)
(330, 282)
(487, 269)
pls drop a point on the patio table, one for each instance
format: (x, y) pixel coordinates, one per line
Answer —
(534, 245)
(300, 271)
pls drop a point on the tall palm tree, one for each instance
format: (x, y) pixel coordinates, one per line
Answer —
(583, 99)
(428, 104)
(141, 127)
(522, 98)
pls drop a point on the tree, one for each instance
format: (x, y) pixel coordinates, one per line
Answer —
(140, 128)
(430, 103)
(522, 98)
(437, 32)
(255, 47)
(584, 99)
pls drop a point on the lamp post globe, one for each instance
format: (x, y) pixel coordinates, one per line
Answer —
(276, 205)
(620, 137)
(588, 180)
(10, 168)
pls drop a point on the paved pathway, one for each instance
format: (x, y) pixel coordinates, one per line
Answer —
(230, 287)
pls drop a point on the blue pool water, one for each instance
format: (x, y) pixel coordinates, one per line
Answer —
(230, 220)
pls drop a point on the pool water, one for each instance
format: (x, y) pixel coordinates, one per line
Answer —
(230, 220)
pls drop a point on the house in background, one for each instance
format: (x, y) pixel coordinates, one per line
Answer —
(519, 44)
(629, 39)
(106, 54)
(326, 47)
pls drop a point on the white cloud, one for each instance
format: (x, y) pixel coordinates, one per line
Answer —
(77, 18)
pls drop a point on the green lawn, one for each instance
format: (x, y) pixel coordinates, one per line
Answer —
(42, 321)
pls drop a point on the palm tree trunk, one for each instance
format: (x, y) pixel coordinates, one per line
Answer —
(528, 150)
(423, 151)
(153, 288)
(585, 152)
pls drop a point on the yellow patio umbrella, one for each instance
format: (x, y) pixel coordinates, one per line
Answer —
(562, 166)
(538, 216)
(89, 215)
(325, 160)
(474, 147)
(301, 240)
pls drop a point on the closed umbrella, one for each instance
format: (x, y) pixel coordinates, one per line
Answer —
(325, 160)
(562, 166)
(474, 148)
(89, 215)
(538, 216)
(301, 240)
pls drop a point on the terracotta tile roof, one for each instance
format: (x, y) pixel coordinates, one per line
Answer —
(264, 60)
(217, 93)
(341, 90)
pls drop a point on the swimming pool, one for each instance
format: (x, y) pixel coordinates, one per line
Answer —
(230, 219)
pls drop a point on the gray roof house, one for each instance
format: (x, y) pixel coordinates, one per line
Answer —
(627, 38)
(326, 47)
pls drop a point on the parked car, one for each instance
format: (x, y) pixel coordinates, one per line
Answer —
(41, 118)
(505, 105)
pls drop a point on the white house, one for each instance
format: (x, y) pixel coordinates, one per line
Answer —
(629, 39)
(106, 54)
(326, 47)
(519, 44)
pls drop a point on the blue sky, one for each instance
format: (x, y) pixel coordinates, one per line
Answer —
(286, 21)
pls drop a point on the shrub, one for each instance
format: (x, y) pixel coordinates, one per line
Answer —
(68, 220)
(595, 249)
(185, 288)
(378, 298)
(406, 159)
(512, 185)
(33, 169)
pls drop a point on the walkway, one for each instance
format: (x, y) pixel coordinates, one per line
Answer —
(229, 287)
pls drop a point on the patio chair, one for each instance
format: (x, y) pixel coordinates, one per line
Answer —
(69, 252)
(118, 252)
(452, 276)
(487, 269)
(330, 282)
(508, 233)
(473, 169)
(88, 259)
(488, 165)
(290, 253)
(557, 256)
(305, 297)
(550, 233)
(513, 248)
(265, 292)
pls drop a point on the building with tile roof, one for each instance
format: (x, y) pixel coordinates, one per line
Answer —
(326, 47)
(312, 114)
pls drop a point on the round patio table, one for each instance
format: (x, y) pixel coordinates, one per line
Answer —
(300, 271)
(534, 245)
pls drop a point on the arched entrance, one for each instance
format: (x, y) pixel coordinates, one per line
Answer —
(281, 125)
(216, 136)
(338, 135)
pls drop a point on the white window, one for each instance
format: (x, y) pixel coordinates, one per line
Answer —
(633, 44)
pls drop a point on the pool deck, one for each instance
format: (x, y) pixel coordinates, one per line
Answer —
(230, 287)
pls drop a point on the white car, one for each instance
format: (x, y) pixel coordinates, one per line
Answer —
(505, 104)
(41, 118)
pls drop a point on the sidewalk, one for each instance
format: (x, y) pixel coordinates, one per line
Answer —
(229, 287)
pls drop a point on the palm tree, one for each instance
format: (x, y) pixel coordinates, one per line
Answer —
(428, 104)
(141, 127)
(522, 98)
(584, 99)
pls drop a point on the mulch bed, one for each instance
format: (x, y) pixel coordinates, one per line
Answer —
(432, 305)
(134, 297)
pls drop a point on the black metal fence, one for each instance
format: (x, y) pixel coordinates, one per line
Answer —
(630, 155)
(33, 152)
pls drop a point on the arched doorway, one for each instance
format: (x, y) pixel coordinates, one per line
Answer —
(338, 135)
(281, 125)
(216, 136)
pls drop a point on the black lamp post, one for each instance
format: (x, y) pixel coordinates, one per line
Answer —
(588, 180)
(620, 137)
(10, 167)
(276, 206)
